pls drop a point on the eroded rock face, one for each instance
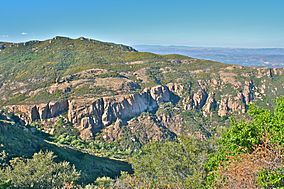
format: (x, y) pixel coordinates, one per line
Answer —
(230, 104)
(177, 88)
(196, 100)
(127, 107)
(34, 113)
(172, 122)
(57, 108)
(142, 130)
(86, 115)
(160, 93)
(238, 103)
(31, 113)
(248, 92)
(200, 98)
(105, 111)
(113, 132)
(211, 105)
(90, 115)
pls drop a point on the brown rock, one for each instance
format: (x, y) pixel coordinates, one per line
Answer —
(210, 105)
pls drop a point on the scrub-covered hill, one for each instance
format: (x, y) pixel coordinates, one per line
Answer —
(117, 94)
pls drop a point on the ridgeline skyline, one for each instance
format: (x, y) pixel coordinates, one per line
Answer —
(241, 24)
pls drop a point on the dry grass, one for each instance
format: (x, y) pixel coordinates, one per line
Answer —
(241, 173)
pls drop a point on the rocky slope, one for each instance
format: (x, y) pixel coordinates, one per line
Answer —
(20, 141)
(91, 115)
(180, 95)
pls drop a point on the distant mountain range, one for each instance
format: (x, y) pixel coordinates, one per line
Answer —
(263, 57)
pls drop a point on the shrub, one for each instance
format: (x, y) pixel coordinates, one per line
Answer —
(248, 147)
(63, 127)
(271, 178)
(39, 172)
(178, 164)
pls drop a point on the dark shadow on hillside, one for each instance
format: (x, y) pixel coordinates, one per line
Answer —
(19, 141)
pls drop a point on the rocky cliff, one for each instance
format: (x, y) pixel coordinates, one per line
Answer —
(109, 114)
(102, 88)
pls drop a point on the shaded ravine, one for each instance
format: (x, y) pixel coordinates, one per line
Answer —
(20, 141)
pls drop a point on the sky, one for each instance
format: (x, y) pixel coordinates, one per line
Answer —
(219, 23)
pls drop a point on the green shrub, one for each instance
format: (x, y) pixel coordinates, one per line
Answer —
(63, 127)
(39, 172)
(271, 178)
(243, 137)
(178, 164)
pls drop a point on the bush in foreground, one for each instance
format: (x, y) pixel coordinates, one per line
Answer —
(250, 153)
(39, 172)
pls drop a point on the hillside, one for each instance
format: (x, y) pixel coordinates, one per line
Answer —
(115, 93)
(30, 66)
(92, 102)
(20, 141)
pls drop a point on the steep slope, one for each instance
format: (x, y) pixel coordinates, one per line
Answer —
(27, 67)
(104, 88)
(17, 140)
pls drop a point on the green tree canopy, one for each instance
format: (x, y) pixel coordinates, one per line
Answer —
(39, 172)
(260, 139)
(174, 164)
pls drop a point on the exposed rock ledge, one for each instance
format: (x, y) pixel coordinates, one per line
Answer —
(91, 115)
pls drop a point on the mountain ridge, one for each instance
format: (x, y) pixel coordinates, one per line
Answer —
(102, 88)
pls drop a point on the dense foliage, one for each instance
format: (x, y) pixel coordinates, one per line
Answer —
(271, 178)
(258, 142)
(65, 134)
(20, 141)
(248, 154)
(171, 164)
(39, 172)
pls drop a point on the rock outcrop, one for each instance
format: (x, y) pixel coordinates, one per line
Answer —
(211, 105)
(43, 111)
(196, 100)
(237, 103)
(144, 129)
(90, 115)
(230, 104)
(105, 111)
(248, 92)
(172, 122)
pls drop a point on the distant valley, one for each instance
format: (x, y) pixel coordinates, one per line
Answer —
(261, 57)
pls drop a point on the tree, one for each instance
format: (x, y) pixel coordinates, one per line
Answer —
(39, 172)
(63, 127)
(172, 164)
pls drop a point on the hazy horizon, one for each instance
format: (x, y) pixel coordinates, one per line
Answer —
(245, 24)
(137, 45)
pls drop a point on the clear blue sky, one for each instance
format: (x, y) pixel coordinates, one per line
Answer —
(229, 23)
